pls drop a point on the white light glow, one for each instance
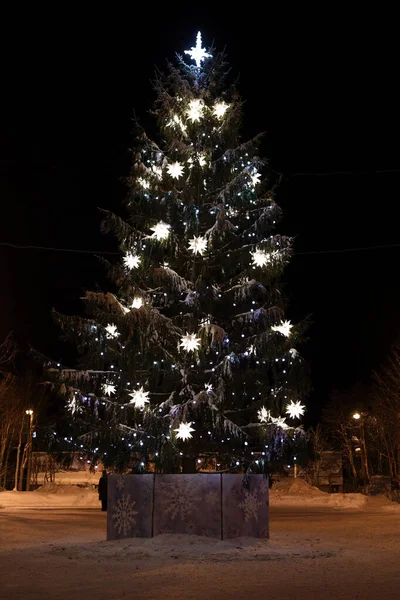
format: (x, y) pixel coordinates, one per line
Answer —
(198, 245)
(176, 120)
(139, 398)
(137, 302)
(264, 415)
(255, 179)
(197, 53)
(284, 328)
(160, 231)
(175, 170)
(195, 110)
(131, 261)
(295, 410)
(190, 342)
(260, 258)
(108, 388)
(145, 184)
(220, 109)
(280, 422)
(184, 431)
(112, 331)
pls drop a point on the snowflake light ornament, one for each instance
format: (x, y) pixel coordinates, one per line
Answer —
(160, 231)
(190, 342)
(197, 53)
(108, 388)
(184, 431)
(175, 170)
(260, 258)
(137, 302)
(295, 410)
(112, 331)
(209, 388)
(131, 261)
(142, 182)
(195, 110)
(220, 109)
(139, 398)
(284, 328)
(198, 244)
(264, 415)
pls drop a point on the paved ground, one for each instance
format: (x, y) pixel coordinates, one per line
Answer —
(313, 554)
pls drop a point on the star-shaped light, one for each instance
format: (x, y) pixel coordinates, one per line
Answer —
(108, 388)
(175, 170)
(145, 184)
(220, 109)
(284, 328)
(280, 422)
(295, 410)
(137, 302)
(184, 431)
(72, 405)
(201, 159)
(264, 415)
(260, 258)
(198, 245)
(139, 398)
(209, 388)
(157, 171)
(112, 331)
(195, 110)
(255, 179)
(160, 231)
(190, 342)
(131, 261)
(176, 120)
(198, 53)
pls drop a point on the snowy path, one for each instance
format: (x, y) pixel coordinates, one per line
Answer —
(314, 553)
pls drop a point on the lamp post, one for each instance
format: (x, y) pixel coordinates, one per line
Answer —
(29, 457)
(358, 417)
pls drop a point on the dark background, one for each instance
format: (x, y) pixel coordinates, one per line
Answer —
(321, 84)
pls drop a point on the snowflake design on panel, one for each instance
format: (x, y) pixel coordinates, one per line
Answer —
(250, 505)
(263, 487)
(124, 515)
(180, 500)
(120, 483)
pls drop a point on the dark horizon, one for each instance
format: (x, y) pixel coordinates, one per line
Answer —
(326, 100)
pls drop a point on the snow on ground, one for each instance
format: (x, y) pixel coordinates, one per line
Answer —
(50, 495)
(314, 553)
(291, 492)
(295, 492)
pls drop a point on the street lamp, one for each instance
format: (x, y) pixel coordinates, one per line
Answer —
(28, 474)
(363, 450)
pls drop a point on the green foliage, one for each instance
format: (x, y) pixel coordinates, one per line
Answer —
(221, 295)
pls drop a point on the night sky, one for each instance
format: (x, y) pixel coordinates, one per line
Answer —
(321, 85)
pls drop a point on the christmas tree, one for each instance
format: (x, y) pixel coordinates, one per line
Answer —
(189, 363)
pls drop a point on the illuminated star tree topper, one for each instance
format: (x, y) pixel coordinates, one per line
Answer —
(197, 53)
